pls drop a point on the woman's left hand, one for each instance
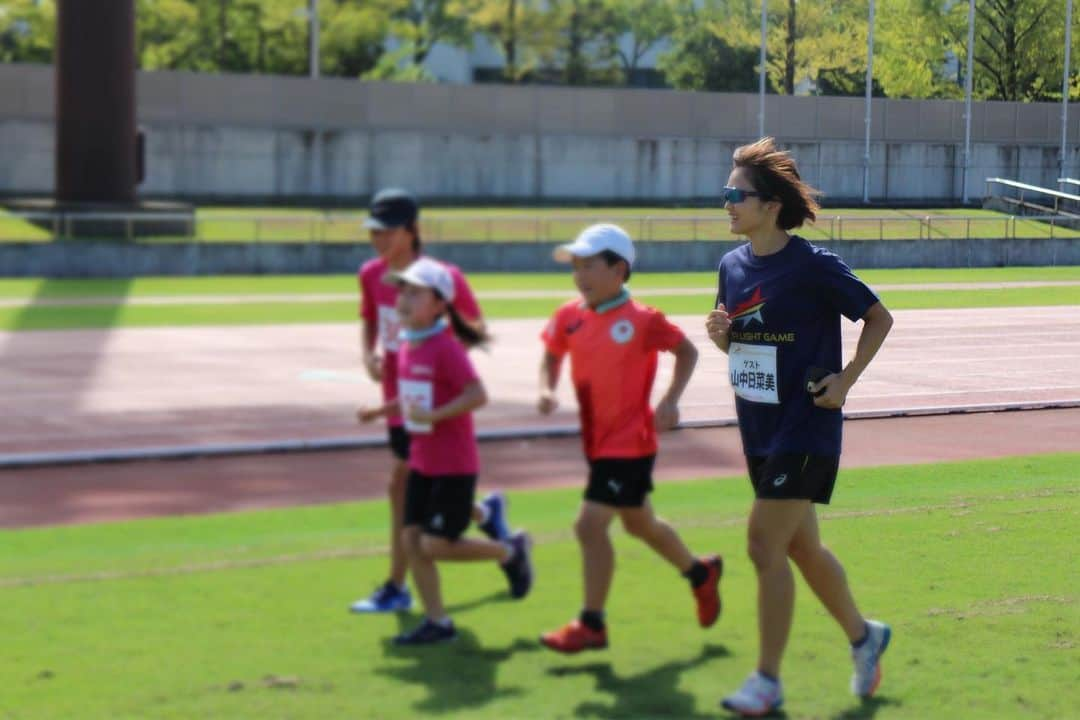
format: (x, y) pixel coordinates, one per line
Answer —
(836, 390)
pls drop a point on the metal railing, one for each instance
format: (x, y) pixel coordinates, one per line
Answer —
(1032, 197)
(331, 227)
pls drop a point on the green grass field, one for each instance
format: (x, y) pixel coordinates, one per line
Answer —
(243, 615)
(39, 304)
(516, 224)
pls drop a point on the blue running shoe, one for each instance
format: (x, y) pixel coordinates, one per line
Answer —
(387, 598)
(518, 569)
(427, 633)
(495, 527)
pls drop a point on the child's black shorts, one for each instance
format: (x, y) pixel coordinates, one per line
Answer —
(399, 442)
(620, 482)
(440, 505)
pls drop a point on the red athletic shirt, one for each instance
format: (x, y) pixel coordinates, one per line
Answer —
(613, 352)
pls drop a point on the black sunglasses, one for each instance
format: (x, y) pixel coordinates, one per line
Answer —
(736, 195)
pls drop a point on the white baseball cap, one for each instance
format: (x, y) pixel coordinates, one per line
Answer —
(428, 273)
(596, 239)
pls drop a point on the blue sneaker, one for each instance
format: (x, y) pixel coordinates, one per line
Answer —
(518, 569)
(495, 527)
(387, 598)
(427, 633)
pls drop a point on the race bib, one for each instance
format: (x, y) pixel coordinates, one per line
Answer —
(415, 393)
(389, 328)
(753, 372)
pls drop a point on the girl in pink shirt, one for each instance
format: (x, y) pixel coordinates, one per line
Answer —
(395, 235)
(438, 389)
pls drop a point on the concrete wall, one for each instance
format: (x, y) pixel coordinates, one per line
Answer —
(117, 259)
(282, 138)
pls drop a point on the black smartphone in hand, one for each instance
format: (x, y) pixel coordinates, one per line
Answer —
(815, 375)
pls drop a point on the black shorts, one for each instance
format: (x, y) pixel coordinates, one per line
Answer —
(793, 476)
(440, 505)
(620, 482)
(399, 442)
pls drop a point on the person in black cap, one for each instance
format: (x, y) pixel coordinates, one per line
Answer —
(392, 224)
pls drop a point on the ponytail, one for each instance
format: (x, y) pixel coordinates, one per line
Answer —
(471, 335)
(414, 228)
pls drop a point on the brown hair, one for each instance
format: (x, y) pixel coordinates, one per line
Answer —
(414, 228)
(773, 173)
(470, 334)
(611, 257)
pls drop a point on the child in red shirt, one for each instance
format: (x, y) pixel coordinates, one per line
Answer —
(437, 391)
(613, 343)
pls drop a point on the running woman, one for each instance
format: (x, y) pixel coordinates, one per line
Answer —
(613, 343)
(777, 317)
(392, 225)
(438, 390)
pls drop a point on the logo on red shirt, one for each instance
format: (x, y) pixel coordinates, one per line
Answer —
(622, 331)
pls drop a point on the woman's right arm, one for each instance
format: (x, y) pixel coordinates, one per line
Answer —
(717, 324)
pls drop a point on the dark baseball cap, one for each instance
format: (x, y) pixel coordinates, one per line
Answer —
(392, 208)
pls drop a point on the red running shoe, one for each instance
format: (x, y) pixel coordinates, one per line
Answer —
(575, 637)
(707, 593)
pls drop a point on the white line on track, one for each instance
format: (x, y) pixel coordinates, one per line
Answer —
(301, 298)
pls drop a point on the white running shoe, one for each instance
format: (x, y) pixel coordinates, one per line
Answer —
(757, 697)
(867, 659)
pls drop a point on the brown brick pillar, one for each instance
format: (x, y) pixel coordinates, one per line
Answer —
(95, 101)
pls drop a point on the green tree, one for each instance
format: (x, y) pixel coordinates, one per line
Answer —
(353, 36)
(819, 42)
(1018, 47)
(523, 30)
(645, 23)
(583, 53)
(912, 45)
(27, 30)
(809, 39)
(417, 26)
(711, 48)
(167, 35)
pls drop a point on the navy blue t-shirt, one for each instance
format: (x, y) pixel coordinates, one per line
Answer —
(785, 310)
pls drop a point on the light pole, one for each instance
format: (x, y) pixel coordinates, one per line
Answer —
(761, 74)
(1065, 90)
(869, 104)
(313, 37)
(968, 74)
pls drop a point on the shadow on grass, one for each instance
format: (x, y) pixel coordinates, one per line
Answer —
(495, 598)
(70, 364)
(868, 708)
(653, 693)
(459, 675)
(42, 311)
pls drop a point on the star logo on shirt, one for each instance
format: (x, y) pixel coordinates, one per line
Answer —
(749, 309)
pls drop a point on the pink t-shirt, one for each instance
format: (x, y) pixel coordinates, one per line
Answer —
(378, 301)
(431, 373)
